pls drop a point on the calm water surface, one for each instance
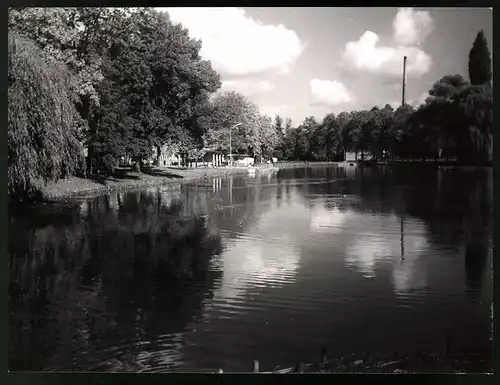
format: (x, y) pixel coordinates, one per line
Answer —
(268, 267)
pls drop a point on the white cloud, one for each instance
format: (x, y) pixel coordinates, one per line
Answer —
(329, 92)
(296, 112)
(411, 27)
(284, 110)
(247, 87)
(237, 44)
(365, 54)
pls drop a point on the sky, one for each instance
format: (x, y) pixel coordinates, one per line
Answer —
(300, 62)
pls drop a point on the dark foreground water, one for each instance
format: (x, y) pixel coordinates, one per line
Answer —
(268, 267)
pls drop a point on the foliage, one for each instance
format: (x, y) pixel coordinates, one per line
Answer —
(332, 134)
(146, 69)
(155, 85)
(226, 111)
(278, 124)
(269, 136)
(480, 61)
(456, 120)
(474, 106)
(43, 125)
(69, 36)
(122, 82)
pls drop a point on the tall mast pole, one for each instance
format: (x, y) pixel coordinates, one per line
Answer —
(402, 220)
(404, 82)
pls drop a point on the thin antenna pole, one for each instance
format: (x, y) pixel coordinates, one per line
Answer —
(404, 82)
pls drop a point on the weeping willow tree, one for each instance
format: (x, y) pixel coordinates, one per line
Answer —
(43, 125)
(475, 104)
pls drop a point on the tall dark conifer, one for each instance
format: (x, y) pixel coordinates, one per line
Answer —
(479, 61)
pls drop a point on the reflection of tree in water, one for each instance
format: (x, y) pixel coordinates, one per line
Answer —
(233, 203)
(455, 204)
(120, 285)
(476, 256)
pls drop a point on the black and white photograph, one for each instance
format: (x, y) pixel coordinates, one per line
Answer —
(268, 190)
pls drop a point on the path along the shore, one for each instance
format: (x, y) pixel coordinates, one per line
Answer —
(131, 180)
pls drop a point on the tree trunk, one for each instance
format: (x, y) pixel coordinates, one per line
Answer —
(88, 161)
(490, 148)
(158, 155)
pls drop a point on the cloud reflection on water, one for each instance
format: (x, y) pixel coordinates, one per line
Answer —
(371, 240)
(256, 258)
(329, 221)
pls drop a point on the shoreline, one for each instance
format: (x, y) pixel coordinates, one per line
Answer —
(74, 186)
(435, 163)
(447, 362)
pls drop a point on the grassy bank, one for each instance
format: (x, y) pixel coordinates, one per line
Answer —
(127, 179)
(299, 164)
(403, 365)
(418, 363)
(429, 161)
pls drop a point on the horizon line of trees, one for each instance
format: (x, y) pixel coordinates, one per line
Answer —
(455, 121)
(88, 86)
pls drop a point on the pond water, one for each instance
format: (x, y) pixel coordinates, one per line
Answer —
(272, 267)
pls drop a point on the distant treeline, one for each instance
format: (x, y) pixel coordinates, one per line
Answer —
(89, 86)
(454, 122)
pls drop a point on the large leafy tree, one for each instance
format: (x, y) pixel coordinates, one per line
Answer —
(269, 137)
(147, 70)
(279, 124)
(439, 113)
(317, 136)
(125, 113)
(399, 135)
(227, 110)
(158, 79)
(74, 36)
(446, 88)
(305, 145)
(384, 119)
(279, 127)
(342, 121)
(182, 80)
(480, 61)
(358, 131)
(474, 107)
(44, 127)
(286, 148)
(333, 138)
